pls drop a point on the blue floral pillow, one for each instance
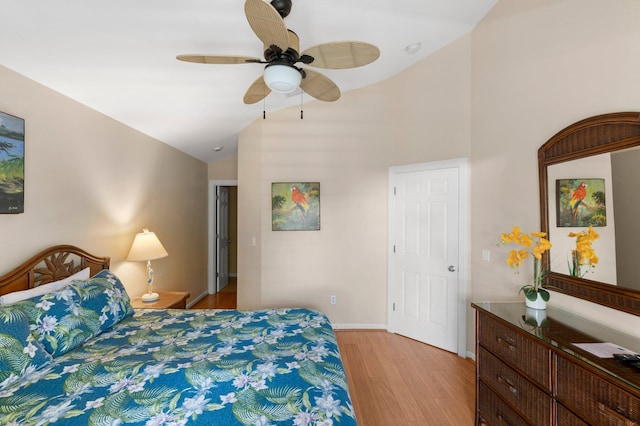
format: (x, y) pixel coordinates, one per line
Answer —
(105, 295)
(20, 353)
(66, 318)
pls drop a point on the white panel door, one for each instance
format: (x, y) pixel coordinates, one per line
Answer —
(222, 237)
(423, 266)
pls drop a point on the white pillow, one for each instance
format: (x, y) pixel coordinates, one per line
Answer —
(17, 296)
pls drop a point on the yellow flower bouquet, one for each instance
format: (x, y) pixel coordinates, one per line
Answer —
(583, 254)
(516, 259)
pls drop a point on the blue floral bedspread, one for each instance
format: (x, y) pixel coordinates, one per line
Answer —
(204, 367)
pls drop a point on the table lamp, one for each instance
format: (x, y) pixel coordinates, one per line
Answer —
(146, 246)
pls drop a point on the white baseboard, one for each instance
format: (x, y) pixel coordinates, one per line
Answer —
(197, 299)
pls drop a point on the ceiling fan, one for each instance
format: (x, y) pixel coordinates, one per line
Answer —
(282, 53)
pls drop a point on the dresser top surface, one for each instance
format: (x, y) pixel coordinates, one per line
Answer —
(563, 330)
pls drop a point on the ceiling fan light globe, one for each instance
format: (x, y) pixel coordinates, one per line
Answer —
(282, 78)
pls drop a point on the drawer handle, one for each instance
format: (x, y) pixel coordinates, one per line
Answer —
(503, 421)
(610, 412)
(507, 383)
(507, 343)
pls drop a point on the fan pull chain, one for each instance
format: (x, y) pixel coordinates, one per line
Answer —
(301, 111)
(264, 109)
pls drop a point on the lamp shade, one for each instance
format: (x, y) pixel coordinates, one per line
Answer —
(282, 78)
(146, 246)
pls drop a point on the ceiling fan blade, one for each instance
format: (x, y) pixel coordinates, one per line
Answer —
(267, 23)
(342, 54)
(320, 86)
(218, 59)
(256, 92)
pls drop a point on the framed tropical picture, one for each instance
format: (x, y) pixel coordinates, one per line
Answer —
(11, 164)
(580, 203)
(295, 206)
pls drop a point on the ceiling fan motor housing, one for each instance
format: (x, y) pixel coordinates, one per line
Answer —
(274, 52)
(282, 6)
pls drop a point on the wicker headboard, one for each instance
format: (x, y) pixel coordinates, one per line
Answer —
(52, 264)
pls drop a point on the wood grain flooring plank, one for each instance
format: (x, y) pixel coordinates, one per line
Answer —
(398, 381)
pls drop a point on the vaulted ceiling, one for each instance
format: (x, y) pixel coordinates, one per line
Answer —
(119, 57)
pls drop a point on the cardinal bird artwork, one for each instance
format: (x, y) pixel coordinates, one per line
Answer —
(580, 202)
(295, 206)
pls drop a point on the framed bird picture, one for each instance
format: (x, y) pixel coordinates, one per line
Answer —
(580, 203)
(295, 206)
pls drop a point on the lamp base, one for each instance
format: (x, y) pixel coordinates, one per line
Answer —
(150, 297)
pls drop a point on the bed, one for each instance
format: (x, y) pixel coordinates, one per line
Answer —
(73, 351)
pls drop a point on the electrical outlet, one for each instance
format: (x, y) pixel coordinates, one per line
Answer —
(486, 255)
(333, 300)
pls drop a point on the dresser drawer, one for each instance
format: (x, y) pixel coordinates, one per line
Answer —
(598, 401)
(565, 417)
(534, 404)
(494, 411)
(524, 354)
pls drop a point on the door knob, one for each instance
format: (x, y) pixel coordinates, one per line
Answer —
(452, 268)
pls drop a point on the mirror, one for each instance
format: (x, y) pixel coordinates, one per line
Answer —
(603, 151)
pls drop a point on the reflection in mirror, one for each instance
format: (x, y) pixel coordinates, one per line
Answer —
(626, 207)
(582, 172)
(619, 235)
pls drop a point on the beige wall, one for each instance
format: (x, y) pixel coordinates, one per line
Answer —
(249, 218)
(539, 66)
(94, 183)
(225, 169)
(348, 147)
(529, 69)
(233, 230)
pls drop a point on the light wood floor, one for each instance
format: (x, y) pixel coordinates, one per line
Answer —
(225, 299)
(397, 381)
(393, 380)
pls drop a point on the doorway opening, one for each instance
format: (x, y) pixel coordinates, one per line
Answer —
(223, 231)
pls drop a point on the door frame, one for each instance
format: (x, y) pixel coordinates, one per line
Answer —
(463, 231)
(212, 260)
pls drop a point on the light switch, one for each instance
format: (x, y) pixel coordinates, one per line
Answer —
(486, 255)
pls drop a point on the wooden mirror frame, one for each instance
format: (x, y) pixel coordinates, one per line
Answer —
(592, 136)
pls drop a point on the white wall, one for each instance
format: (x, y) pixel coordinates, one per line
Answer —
(92, 182)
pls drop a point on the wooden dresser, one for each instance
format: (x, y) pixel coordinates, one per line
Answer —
(534, 375)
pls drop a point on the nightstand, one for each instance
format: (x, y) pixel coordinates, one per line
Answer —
(167, 300)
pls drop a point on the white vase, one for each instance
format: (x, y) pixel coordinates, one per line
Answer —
(536, 316)
(539, 303)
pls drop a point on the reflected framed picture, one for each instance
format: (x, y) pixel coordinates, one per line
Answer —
(11, 164)
(580, 203)
(295, 206)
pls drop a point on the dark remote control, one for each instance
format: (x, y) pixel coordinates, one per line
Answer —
(627, 357)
